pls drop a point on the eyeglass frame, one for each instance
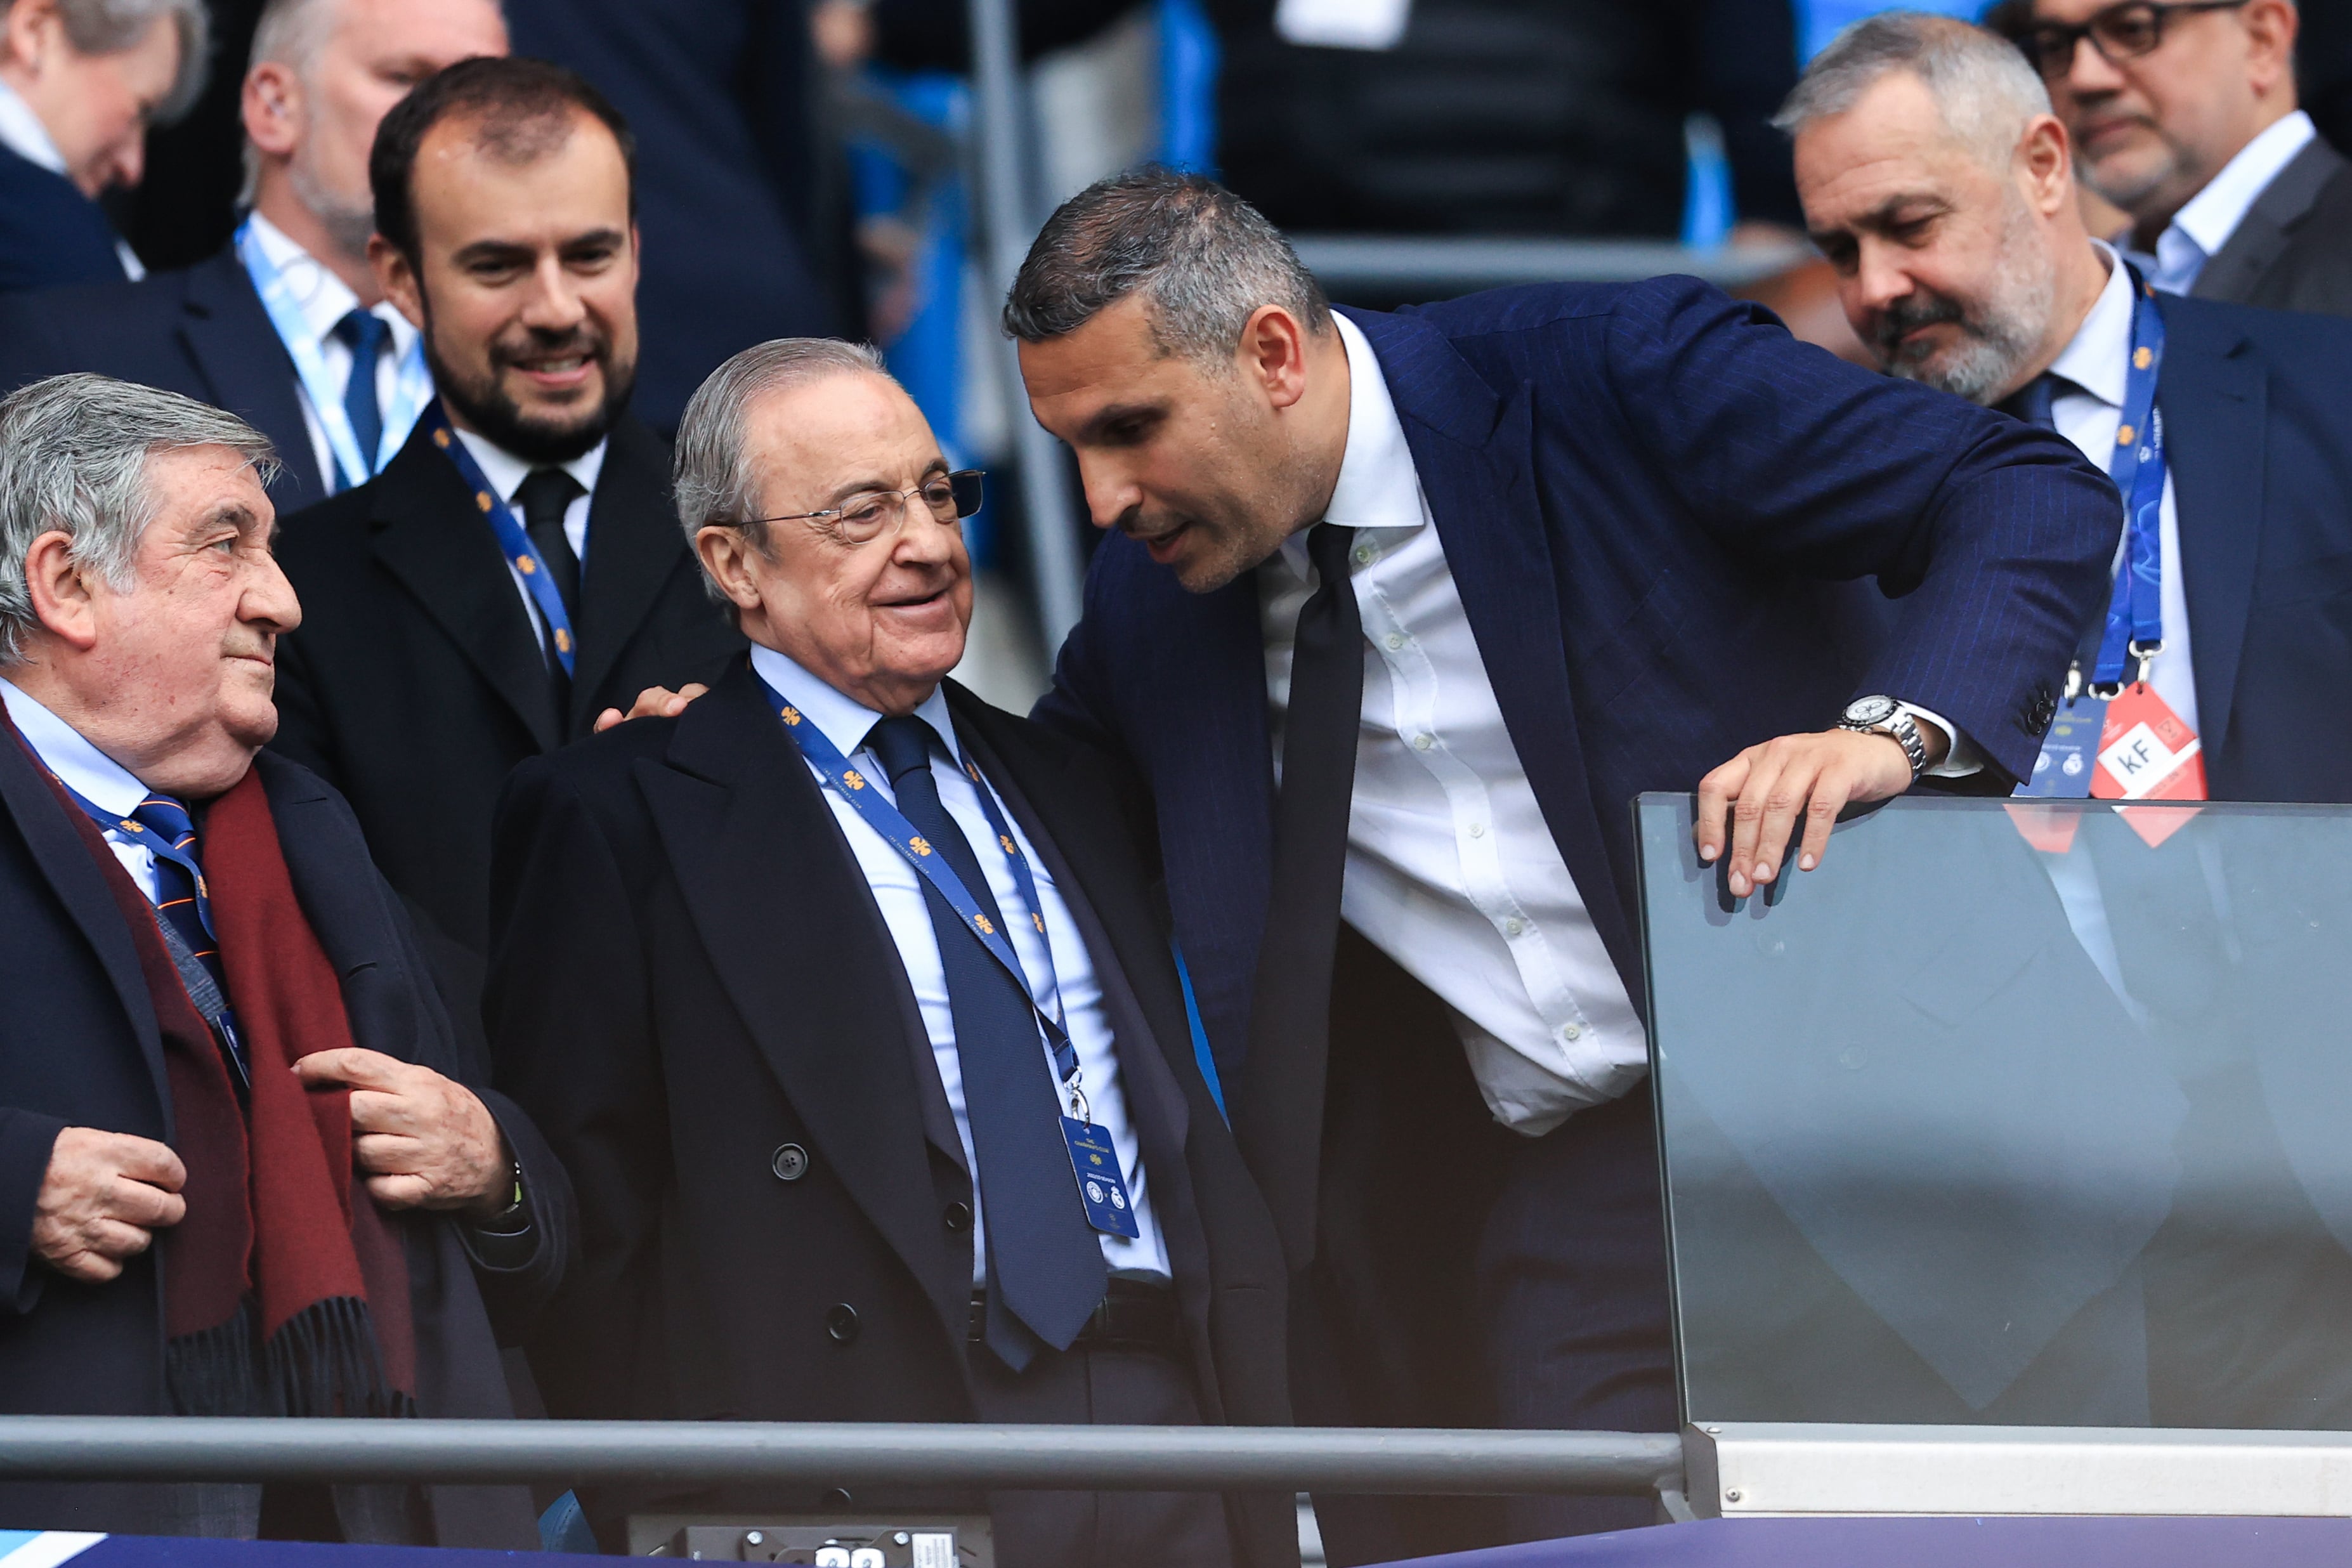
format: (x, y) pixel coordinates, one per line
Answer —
(2029, 37)
(963, 484)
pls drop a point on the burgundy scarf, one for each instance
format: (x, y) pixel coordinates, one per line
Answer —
(285, 1290)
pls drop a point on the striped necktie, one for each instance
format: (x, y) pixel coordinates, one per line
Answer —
(184, 908)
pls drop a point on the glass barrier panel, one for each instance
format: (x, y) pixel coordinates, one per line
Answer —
(2022, 1114)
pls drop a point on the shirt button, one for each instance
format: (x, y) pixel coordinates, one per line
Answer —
(1396, 640)
(1365, 555)
(1477, 830)
(1513, 926)
(1570, 1031)
(1423, 741)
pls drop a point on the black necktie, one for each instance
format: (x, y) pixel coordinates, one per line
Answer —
(1045, 1269)
(364, 332)
(1278, 1114)
(545, 494)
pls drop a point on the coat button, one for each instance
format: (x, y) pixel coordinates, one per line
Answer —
(790, 1164)
(837, 1498)
(959, 1217)
(841, 1322)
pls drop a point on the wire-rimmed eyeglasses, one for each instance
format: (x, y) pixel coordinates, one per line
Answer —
(864, 517)
(2119, 33)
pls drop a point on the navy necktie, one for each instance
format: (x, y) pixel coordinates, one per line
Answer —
(546, 494)
(1045, 1269)
(184, 908)
(364, 332)
(2034, 401)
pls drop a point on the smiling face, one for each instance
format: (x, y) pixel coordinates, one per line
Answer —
(2154, 129)
(526, 280)
(173, 675)
(1210, 468)
(881, 620)
(95, 107)
(1945, 260)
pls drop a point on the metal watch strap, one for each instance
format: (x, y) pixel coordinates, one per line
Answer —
(1904, 731)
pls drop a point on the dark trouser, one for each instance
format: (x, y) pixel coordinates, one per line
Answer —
(1467, 1276)
(1109, 1386)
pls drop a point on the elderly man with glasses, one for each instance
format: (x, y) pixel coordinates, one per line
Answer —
(2185, 115)
(844, 999)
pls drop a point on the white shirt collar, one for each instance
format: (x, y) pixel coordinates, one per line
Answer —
(2099, 358)
(2213, 214)
(23, 134)
(62, 748)
(506, 472)
(1377, 486)
(323, 299)
(841, 719)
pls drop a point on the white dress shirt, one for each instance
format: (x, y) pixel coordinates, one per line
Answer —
(323, 300)
(100, 780)
(1451, 869)
(2202, 226)
(505, 473)
(2097, 361)
(1068, 984)
(22, 133)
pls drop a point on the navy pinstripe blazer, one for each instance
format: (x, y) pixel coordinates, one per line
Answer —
(1640, 489)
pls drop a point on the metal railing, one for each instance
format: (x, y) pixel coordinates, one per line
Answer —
(1404, 1461)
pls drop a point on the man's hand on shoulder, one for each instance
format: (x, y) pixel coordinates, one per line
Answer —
(1765, 789)
(423, 1141)
(653, 702)
(104, 1196)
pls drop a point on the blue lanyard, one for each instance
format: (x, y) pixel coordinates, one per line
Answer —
(2135, 624)
(310, 368)
(521, 552)
(885, 819)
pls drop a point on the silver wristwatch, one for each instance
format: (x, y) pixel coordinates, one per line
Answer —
(1885, 716)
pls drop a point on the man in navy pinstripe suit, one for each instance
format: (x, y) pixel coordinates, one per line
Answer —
(1396, 616)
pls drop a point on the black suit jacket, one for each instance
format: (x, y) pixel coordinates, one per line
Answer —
(416, 681)
(691, 975)
(201, 332)
(2293, 250)
(49, 232)
(2258, 424)
(79, 1047)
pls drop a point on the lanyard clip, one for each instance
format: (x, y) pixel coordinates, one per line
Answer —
(1080, 1105)
(2074, 681)
(2146, 652)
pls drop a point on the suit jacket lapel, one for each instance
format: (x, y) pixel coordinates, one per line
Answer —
(2215, 406)
(792, 932)
(433, 539)
(2261, 236)
(81, 888)
(249, 373)
(634, 549)
(1474, 455)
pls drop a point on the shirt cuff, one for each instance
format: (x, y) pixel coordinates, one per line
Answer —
(1961, 757)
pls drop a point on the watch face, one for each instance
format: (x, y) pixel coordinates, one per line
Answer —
(1871, 710)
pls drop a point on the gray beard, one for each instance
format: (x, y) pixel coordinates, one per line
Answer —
(1999, 339)
(347, 227)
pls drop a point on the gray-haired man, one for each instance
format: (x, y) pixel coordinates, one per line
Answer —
(80, 81)
(274, 326)
(242, 1170)
(825, 990)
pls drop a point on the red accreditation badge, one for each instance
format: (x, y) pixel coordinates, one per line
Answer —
(2146, 753)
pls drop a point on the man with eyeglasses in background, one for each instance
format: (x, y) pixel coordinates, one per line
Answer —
(2186, 116)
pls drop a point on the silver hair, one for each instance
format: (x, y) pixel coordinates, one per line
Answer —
(1985, 88)
(1204, 258)
(74, 451)
(712, 471)
(109, 27)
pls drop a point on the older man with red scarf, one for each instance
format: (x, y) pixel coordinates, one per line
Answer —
(243, 1166)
